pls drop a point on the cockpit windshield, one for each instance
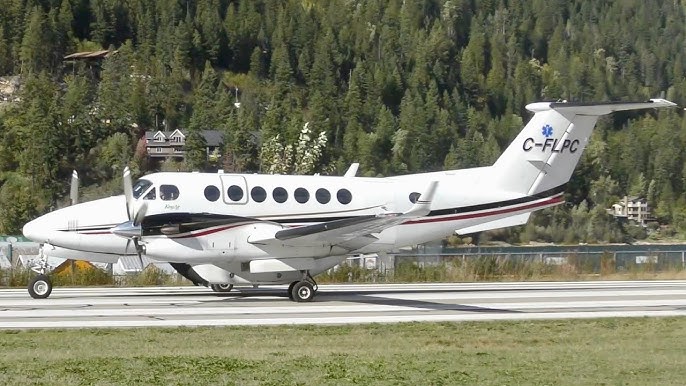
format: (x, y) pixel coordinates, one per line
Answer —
(140, 187)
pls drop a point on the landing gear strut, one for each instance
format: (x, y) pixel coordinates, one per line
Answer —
(40, 286)
(303, 290)
(221, 287)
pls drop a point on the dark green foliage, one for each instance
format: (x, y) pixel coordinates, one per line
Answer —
(196, 151)
(400, 86)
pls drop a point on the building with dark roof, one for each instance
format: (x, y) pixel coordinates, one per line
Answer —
(172, 144)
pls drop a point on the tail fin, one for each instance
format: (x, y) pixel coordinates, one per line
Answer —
(546, 151)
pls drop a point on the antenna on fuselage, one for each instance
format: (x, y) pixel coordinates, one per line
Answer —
(352, 170)
(74, 191)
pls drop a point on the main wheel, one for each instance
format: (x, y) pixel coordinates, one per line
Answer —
(302, 291)
(221, 287)
(40, 286)
(290, 289)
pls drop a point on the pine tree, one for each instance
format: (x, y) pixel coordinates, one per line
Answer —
(204, 115)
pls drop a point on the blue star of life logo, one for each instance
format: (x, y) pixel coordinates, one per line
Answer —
(547, 131)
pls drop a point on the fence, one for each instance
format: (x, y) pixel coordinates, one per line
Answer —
(549, 260)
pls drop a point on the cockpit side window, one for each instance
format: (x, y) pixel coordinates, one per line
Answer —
(169, 192)
(150, 195)
(140, 187)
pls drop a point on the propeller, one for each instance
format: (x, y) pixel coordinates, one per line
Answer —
(74, 191)
(128, 192)
(131, 230)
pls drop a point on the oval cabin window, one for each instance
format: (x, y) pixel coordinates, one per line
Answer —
(212, 193)
(235, 193)
(280, 195)
(323, 196)
(344, 196)
(258, 194)
(414, 196)
(301, 195)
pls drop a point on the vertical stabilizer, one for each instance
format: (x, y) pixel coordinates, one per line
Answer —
(546, 151)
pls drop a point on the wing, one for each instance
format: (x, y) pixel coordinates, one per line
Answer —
(350, 233)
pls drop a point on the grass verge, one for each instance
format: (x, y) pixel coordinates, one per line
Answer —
(570, 352)
(490, 269)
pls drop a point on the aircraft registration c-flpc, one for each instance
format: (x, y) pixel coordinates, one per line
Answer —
(224, 229)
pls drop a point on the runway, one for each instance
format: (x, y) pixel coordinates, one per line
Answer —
(340, 304)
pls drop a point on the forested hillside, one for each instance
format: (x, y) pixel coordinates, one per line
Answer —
(397, 85)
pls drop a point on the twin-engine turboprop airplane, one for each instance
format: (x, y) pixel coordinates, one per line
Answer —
(225, 229)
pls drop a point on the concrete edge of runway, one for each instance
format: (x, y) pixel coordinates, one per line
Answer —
(106, 307)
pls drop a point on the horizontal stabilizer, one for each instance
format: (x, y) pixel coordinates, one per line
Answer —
(598, 108)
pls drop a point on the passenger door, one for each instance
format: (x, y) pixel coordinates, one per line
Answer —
(234, 189)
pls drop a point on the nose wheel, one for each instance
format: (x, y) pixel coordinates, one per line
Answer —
(40, 286)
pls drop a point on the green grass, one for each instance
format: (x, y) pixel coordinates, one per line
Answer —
(570, 352)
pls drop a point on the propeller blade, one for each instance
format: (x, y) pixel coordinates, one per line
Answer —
(74, 191)
(128, 242)
(139, 249)
(128, 192)
(140, 214)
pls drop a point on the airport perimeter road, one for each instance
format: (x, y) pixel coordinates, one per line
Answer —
(340, 304)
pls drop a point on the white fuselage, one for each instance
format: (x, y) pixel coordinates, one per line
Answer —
(462, 199)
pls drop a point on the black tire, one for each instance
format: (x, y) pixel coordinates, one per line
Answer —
(290, 289)
(40, 287)
(303, 291)
(221, 287)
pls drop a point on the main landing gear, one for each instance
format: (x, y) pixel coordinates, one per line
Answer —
(40, 286)
(221, 287)
(303, 290)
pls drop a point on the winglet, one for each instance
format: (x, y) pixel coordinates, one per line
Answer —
(423, 205)
(352, 170)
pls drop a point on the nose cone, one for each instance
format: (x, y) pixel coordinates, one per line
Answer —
(35, 231)
(67, 222)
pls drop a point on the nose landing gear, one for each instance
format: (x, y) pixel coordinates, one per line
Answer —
(40, 286)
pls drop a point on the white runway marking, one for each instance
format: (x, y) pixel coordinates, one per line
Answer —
(340, 304)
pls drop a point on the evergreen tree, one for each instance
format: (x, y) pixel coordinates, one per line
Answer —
(204, 115)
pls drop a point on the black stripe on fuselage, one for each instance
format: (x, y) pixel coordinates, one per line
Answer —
(198, 221)
(449, 211)
(499, 204)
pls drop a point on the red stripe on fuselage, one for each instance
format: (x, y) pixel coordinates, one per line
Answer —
(551, 201)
